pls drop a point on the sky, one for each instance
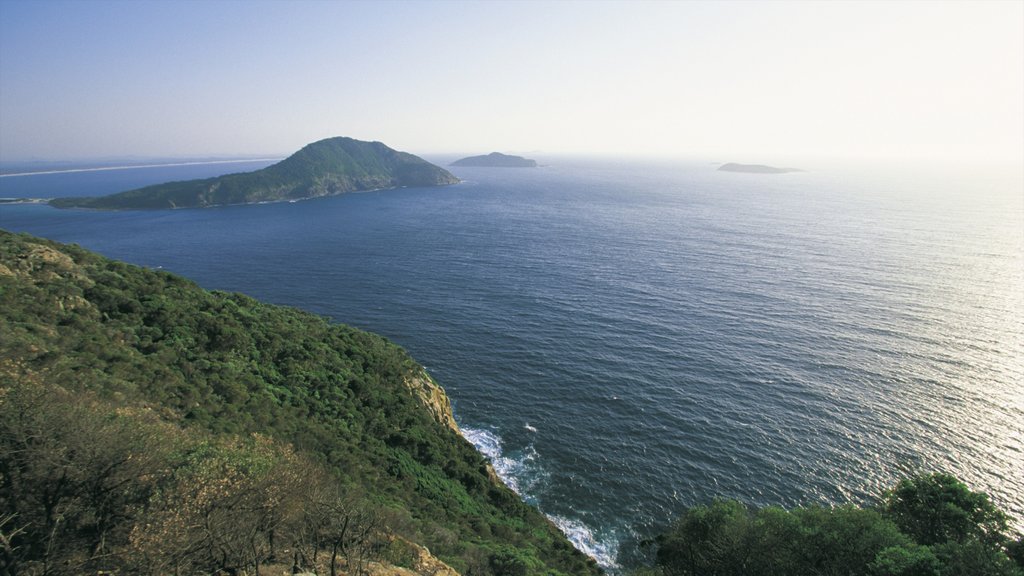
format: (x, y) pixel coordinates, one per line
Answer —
(733, 80)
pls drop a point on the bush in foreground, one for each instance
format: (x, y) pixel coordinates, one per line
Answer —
(931, 525)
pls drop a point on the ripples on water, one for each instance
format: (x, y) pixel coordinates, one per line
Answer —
(627, 340)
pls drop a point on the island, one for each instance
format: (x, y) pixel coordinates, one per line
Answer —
(496, 160)
(755, 168)
(324, 168)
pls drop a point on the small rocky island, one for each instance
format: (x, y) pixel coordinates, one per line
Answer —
(496, 160)
(324, 168)
(755, 169)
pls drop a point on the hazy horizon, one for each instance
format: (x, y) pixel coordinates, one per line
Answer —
(733, 81)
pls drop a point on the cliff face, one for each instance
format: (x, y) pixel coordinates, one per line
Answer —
(323, 168)
(434, 399)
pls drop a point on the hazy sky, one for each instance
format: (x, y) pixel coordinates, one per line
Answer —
(739, 80)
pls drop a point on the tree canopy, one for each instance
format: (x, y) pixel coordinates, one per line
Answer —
(930, 525)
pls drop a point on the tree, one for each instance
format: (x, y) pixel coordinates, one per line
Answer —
(707, 540)
(907, 560)
(75, 473)
(973, 558)
(339, 525)
(958, 533)
(938, 508)
(223, 508)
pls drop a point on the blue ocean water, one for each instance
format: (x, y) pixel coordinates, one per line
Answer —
(625, 339)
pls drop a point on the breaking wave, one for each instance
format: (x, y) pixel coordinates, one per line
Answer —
(521, 471)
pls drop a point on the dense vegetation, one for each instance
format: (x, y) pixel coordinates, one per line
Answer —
(331, 166)
(150, 426)
(931, 525)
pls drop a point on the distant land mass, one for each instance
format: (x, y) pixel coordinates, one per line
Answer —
(324, 168)
(496, 160)
(755, 168)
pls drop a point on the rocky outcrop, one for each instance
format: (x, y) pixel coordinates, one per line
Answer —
(40, 264)
(434, 398)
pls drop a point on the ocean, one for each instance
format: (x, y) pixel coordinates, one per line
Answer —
(628, 338)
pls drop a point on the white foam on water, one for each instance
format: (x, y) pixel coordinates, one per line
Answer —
(583, 538)
(521, 472)
(486, 442)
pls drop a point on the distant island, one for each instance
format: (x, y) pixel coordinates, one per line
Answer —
(324, 168)
(496, 160)
(755, 168)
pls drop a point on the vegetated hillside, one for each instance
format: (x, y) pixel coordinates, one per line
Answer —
(323, 168)
(931, 525)
(149, 425)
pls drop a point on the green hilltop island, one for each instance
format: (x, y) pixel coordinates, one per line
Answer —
(149, 426)
(324, 168)
(496, 160)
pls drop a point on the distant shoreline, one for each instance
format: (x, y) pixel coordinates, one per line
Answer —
(24, 200)
(131, 166)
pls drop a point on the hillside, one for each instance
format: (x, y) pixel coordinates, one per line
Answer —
(142, 417)
(323, 168)
(496, 160)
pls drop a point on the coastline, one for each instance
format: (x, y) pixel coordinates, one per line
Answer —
(134, 166)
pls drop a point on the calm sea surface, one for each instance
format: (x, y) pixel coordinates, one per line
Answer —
(627, 339)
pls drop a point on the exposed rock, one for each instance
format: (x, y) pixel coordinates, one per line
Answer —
(434, 398)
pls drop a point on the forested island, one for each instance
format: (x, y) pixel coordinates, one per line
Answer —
(496, 160)
(327, 167)
(755, 168)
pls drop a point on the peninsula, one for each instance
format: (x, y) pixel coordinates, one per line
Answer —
(496, 160)
(323, 168)
(755, 168)
(179, 430)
